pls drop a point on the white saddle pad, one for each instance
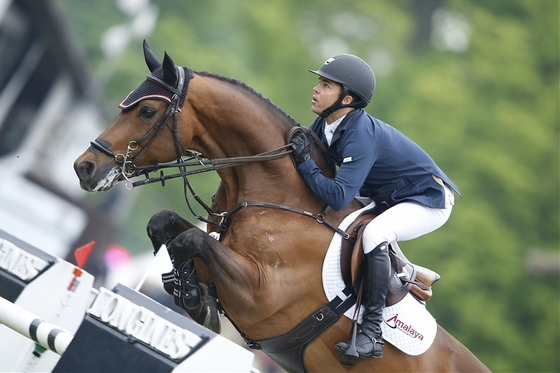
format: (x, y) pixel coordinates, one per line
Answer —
(407, 325)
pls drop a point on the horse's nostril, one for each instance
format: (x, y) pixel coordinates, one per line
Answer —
(85, 169)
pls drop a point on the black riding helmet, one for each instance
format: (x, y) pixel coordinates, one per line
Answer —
(353, 74)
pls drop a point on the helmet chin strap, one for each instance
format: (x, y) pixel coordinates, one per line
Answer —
(338, 104)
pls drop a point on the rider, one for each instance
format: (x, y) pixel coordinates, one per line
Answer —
(412, 194)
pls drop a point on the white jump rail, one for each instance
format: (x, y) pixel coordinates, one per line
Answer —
(48, 335)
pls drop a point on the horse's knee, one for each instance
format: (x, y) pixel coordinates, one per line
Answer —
(190, 244)
(196, 236)
(193, 238)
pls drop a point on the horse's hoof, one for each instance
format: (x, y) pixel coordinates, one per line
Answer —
(213, 323)
(209, 316)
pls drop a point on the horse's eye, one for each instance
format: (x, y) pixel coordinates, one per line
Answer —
(147, 112)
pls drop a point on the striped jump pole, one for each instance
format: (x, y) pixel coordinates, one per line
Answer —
(48, 335)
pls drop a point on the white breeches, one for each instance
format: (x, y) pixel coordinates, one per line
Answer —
(406, 221)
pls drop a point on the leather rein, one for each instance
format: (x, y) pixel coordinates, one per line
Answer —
(129, 169)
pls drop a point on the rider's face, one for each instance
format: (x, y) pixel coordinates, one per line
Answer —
(324, 95)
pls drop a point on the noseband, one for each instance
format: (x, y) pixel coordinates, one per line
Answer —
(126, 161)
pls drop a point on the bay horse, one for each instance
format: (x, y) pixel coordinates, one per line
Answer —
(266, 265)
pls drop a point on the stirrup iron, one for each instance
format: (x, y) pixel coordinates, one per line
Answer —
(350, 356)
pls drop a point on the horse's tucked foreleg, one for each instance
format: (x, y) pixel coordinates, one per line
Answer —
(162, 228)
(198, 299)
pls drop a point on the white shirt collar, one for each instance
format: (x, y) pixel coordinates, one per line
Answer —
(331, 128)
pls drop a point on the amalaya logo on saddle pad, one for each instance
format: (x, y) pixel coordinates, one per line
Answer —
(395, 323)
(407, 325)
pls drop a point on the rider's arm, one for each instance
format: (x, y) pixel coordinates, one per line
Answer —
(358, 155)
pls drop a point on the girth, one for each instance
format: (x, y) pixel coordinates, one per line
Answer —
(288, 349)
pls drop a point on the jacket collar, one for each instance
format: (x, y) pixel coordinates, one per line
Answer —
(343, 126)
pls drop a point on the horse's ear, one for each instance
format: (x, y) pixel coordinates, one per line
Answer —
(169, 71)
(151, 60)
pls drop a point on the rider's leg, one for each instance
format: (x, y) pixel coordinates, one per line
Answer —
(404, 221)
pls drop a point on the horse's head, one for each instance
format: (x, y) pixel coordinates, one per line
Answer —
(143, 131)
(221, 118)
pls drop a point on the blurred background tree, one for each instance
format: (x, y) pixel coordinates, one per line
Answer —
(475, 83)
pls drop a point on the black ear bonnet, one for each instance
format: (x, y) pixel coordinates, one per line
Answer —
(165, 81)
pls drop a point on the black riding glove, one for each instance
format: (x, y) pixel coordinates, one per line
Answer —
(301, 148)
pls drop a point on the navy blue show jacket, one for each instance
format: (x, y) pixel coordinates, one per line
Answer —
(377, 161)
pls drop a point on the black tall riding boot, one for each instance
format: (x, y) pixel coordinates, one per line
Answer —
(369, 341)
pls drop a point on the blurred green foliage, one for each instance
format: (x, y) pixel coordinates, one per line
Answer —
(488, 114)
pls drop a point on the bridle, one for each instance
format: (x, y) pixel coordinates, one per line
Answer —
(190, 159)
(126, 161)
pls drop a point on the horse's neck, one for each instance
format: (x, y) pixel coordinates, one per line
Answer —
(240, 124)
(233, 122)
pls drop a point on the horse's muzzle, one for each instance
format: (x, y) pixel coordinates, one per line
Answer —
(95, 177)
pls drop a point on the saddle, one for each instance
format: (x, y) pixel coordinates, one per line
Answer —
(406, 277)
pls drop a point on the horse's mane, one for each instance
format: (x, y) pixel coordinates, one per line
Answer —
(250, 90)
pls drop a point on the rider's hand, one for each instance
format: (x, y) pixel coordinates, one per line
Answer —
(301, 148)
